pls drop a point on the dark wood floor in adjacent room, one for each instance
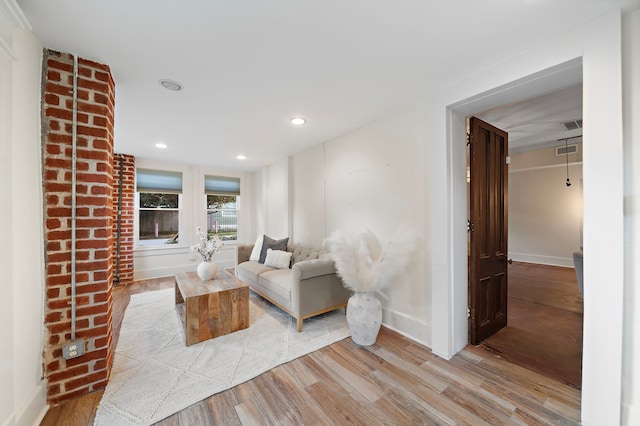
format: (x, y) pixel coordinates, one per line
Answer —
(544, 330)
(394, 382)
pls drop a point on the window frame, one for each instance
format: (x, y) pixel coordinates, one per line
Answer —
(179, 209)
(236, 211)
(221, 185)
(158, 181)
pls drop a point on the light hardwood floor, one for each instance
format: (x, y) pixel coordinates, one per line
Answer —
(394, 382)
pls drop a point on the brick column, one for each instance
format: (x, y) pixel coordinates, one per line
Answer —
(125, 273)
(70, 378)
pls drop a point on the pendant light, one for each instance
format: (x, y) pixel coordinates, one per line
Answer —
(566, 156)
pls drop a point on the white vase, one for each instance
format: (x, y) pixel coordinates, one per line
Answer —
(207, 269)
(364, 317)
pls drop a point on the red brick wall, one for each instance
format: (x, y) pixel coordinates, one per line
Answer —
(70, 378)
(125, 274)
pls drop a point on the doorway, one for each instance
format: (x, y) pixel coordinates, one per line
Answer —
(545, 307)
(597, 48)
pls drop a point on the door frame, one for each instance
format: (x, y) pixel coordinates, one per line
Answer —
(548, 80)
(598, 61)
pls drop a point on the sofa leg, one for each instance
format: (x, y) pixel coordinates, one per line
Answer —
(299, 324)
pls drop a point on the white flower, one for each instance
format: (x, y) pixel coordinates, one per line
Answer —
(207, 247)
(364, 264)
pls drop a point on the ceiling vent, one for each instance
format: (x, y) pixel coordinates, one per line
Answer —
(565, 150)
(573, 125)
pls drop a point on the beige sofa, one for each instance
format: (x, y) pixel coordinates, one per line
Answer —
(308, 288)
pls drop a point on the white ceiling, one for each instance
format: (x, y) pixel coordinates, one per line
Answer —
(538, 122)
(248, 66)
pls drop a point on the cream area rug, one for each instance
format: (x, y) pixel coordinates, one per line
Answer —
(155, 375)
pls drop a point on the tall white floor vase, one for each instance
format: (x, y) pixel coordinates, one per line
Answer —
(364, 317)
(207, 269)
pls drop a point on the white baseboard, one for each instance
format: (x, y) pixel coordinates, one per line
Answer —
(410, 327)
(32, 410)
(543, 260)
(630, 415)
(40, 416)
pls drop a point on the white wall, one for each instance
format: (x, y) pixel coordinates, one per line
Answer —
(166, 260)
(259, 214)
(6, 217)
(277, 201)
(545, 216)
(598, 44)
(309, 220)
(603, 224)
(273, 198)
(372, 177)
(22, 394)
(631, 117)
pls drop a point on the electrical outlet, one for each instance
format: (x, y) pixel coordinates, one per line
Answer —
(73, 349)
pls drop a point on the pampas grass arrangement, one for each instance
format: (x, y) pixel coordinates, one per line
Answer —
(364, 264)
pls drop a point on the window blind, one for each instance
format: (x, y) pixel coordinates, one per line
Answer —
(221, 185)
(158, 181)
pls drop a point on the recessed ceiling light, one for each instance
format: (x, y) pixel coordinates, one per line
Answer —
(161, 145)
(171, 85)
(298, 121)
(241, 157)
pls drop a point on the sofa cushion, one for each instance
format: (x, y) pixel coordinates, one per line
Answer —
(257, 249)
(278, 281)
(278, 259)
(255, 268)
(270, 243)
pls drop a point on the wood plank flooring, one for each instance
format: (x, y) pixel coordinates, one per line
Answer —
(394, 382)
(544, 330)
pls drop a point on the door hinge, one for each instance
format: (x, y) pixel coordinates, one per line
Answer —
(468, 312)
(469, 139)
(470, 225)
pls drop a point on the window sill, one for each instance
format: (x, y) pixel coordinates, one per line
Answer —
(230, 243)
(170, 249)
(152, 250)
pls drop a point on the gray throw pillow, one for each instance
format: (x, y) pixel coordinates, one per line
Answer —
(270, 243)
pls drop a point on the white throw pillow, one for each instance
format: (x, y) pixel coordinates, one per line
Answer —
(278, 259)
(257, 248)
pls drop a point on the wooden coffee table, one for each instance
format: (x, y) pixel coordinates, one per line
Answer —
(213, 308)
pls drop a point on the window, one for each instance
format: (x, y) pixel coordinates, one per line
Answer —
(223, 199)
(159, 218)
(159, 200)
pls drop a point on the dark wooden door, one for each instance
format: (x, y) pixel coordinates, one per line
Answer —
(488, 230)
